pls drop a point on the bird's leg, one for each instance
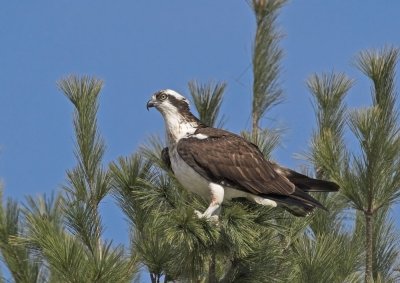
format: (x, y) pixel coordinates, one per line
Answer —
(217, 196)
(212, 210)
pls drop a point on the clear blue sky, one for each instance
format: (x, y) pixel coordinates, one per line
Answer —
(138, 47)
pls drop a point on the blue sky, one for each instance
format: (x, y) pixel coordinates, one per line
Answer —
(138, 47)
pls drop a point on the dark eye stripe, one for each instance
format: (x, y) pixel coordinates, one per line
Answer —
(179, 104)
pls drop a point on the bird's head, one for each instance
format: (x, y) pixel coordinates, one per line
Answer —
(168, 101)
(174, 107)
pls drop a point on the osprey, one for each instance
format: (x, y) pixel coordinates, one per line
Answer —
(219, 165)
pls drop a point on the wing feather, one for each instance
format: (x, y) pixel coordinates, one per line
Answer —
(229, 158)
(165, 158)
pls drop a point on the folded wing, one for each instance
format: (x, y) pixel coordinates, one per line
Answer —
(223, 157)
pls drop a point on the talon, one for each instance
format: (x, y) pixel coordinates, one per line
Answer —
(214, 219)
(198, 214)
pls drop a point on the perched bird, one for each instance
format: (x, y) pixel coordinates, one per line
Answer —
(219, 165)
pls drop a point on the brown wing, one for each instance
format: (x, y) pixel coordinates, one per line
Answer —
(225, 157)
(165, 158)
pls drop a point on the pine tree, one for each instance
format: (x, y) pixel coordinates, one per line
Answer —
(172, 242)
(328, 251)
(24, 266)
(374, 179)
(266, 60)
(60, 239)
(370, 179)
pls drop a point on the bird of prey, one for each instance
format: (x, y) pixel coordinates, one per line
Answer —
(219, 165)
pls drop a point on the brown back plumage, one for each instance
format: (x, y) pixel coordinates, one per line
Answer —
(224, 156)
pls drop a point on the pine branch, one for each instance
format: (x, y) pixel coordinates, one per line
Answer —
(329, 155)
(152, 149)
(386, 247)
(22, 264)
(148, 198)
(88, 182)
(374, 179)
(266, 60)
(207, 100)
(380, 67)
(329, 91)
(377, 129)
(328, 151)
(337, 251)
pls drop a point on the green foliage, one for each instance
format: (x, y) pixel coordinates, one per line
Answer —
(328, 151)
(18, 258)
(369, 180)
(141, 202)
(329, 91)
(380, 66)
(68, 257)
(327, 258)
(332, 250)
(266, 58)
(62, 237)
(374, 179)
(376, 171)
(207, 100)
(386, 248)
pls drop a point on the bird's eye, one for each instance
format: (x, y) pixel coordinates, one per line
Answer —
(163, 96)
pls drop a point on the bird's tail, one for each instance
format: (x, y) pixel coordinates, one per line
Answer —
(314, 185)
(299, 203)
(306, 183)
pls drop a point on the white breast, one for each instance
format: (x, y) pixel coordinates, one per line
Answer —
(189, 179)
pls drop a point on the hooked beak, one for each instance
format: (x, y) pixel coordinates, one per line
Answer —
(150, 104)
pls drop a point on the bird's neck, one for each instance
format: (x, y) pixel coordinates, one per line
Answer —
(179, 126)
